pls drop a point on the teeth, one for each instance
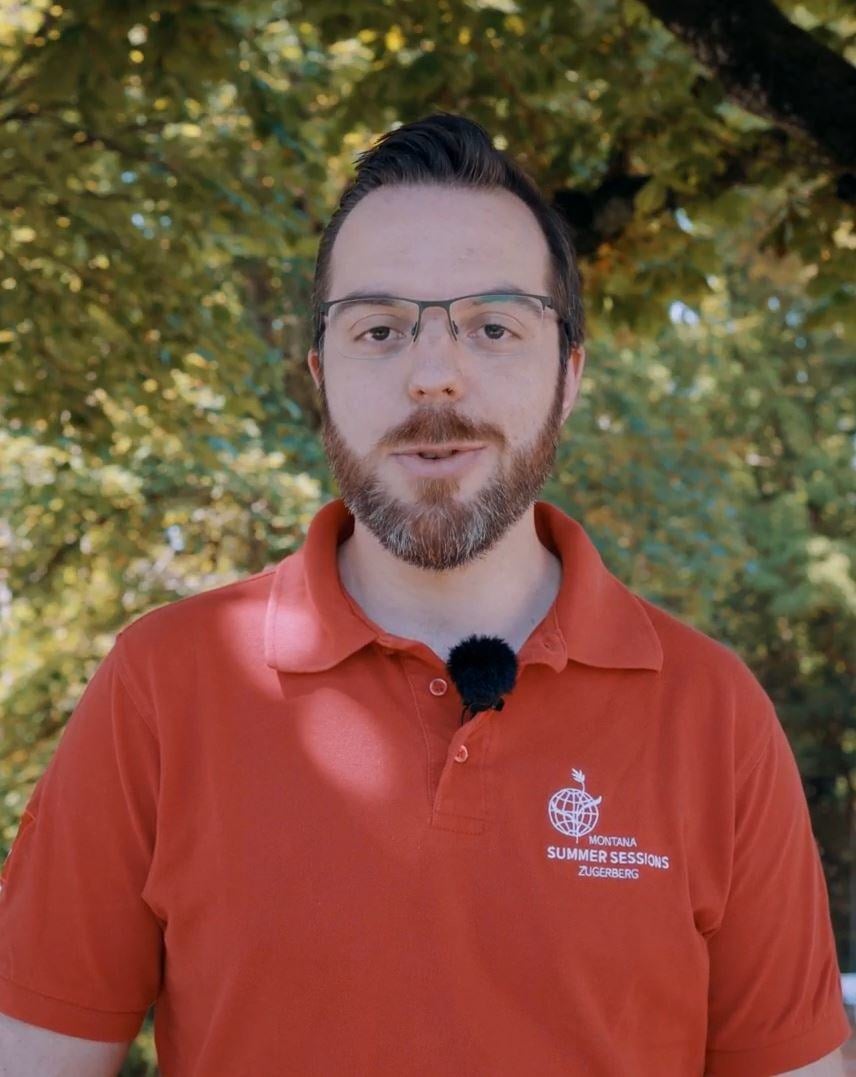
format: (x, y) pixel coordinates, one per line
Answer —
(437, 456)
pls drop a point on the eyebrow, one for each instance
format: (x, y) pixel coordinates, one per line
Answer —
(500, 288)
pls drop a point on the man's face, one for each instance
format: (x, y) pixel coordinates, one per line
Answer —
(431, 242)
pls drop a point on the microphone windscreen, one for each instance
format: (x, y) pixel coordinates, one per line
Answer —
(483, 668)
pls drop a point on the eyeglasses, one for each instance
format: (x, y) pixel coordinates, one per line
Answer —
(383, 327)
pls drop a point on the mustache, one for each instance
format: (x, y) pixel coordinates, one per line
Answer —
(438, 429)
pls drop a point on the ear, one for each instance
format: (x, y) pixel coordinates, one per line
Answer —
(316, 369)
(573, 378)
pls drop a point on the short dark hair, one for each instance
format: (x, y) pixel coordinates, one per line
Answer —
(449, 150)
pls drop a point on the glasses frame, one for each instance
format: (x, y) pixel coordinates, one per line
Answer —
(423, 305)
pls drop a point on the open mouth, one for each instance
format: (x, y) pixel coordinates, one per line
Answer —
(438, 464)
(441, 454)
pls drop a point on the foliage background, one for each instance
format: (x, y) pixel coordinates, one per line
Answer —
(165, 170)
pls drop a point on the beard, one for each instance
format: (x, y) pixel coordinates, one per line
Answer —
(436, 531)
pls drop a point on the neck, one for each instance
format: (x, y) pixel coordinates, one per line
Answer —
(505, 593)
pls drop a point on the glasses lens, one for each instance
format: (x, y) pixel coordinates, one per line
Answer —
(371, 328)
(498, 324)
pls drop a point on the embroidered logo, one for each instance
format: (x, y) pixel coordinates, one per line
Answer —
(575, 813)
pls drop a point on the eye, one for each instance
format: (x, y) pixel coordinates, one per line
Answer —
(495, 327)
(379, 334)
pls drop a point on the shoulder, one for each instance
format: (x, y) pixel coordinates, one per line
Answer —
(712, 688)
(167, 648)
(686, 646)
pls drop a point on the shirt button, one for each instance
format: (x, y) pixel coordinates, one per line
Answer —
(551, 643)
(437, 687)
(461, 754)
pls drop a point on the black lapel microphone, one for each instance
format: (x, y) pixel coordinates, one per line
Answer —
(483, 669)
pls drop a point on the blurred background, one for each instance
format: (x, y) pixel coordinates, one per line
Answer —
(165, 171)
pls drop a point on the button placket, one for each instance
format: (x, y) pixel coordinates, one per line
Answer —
(460, 801)
(457, 793)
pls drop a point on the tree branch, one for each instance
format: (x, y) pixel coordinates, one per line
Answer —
(771, 67)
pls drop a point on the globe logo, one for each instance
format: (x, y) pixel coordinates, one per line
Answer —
(574, 812)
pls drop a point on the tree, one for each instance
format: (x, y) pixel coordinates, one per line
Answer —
(773, 68)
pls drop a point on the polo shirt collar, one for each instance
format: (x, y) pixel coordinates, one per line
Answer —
(313, 624)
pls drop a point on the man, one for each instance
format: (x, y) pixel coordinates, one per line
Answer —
(268, 817)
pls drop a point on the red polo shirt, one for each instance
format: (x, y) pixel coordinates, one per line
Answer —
(264, 817)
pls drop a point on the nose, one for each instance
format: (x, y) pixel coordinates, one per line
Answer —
(446, 312)
(434, 358)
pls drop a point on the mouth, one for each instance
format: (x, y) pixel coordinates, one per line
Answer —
(440, 463)
(433, 453)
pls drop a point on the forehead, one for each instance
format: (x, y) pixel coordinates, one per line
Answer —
(432, 242)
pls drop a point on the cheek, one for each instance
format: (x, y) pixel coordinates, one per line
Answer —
(520, 402)
(346, 394)
(357, 411)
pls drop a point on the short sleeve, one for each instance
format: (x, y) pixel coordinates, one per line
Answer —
(80, 951)
(775, 1000)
